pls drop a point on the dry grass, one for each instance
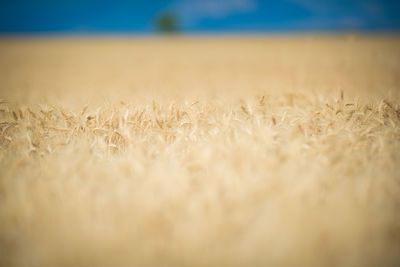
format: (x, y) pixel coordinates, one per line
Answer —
(200, 152)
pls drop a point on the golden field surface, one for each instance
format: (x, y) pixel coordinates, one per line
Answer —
(200, 151)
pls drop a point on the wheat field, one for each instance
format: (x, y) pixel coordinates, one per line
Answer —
(200, 151)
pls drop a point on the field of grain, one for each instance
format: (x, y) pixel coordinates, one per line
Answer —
(200, 151)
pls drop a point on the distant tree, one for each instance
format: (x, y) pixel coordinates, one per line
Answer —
(167, 23)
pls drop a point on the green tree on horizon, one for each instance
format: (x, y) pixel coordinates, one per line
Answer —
(167, 22)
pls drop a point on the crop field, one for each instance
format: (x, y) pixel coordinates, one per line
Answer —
(200, 151)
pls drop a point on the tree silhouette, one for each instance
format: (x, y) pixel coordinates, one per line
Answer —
(167, 23)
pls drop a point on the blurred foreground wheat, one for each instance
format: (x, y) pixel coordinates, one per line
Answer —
(229, 170)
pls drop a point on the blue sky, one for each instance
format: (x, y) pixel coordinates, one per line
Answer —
(137, 16)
